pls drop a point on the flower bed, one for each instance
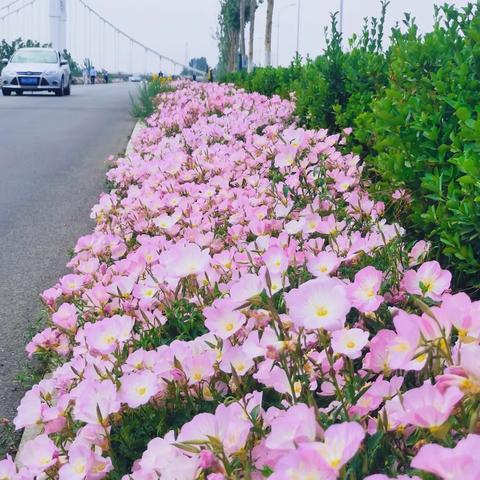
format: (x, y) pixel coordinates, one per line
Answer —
(242, 310)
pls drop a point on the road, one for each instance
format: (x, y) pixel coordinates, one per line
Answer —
(52, 170)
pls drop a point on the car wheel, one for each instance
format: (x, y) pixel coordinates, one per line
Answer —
(60, 92)
(6, 92)
(68, 89)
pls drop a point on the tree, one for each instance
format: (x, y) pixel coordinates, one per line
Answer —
(268, 34)
(241, 6)
(198, 63)
(228, 35)
(8, 49)
(74, 67)
(253, 8)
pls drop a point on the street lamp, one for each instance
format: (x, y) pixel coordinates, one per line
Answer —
(341, 17)
(299, 6)
(278, 28)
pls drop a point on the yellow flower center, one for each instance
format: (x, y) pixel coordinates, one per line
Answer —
(239, 367)
(229, 327)
(197, 376)
(141, 390)
(351, 344)
(322, 312)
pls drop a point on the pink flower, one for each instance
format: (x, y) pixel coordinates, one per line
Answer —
(429, 280)
(292, 427)
(29, 411)
(237, 358)
(341, 442)
(286, 156)
(363, 292)
(304, 463)
(228, 425)
(8, 469)
(418, 253)
(107, 335)
(199, 367)
(322, 264)
(39, 454)
(459, 311)
(207, 459)
(273, 376)
(276, 260)
(246, 287)
(138, 388)
(66, 317)
(428, 407)
(460, 462)
(80, 461)
(92, 398)
(183, 260)
(349, 342)
(222, 319)
(319, 303)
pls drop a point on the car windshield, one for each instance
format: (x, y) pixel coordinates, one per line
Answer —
(35, 56)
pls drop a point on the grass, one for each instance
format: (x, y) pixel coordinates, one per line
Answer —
(144, 104)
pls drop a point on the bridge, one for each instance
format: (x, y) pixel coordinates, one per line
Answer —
(76, 26)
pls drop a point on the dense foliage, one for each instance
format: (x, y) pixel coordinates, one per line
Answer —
(7, 49)
(415, 113)
(243, 310)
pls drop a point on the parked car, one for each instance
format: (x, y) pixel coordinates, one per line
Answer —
(135, 78)
(36, 70)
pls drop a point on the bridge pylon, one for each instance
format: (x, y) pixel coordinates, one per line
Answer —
(58, 24)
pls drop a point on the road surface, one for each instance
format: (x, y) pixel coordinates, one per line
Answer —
(52, 170)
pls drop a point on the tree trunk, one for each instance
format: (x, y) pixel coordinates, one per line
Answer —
(242, 32)
(268, 34)
(233, 37)
(253, 8)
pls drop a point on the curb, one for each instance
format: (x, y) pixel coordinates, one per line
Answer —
(30, 433)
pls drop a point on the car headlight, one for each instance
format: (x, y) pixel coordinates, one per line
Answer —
(8, 73)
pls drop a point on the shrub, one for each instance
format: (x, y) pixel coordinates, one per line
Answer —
(425, 133)
(415, 109)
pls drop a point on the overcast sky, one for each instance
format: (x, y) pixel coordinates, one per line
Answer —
(186, 28)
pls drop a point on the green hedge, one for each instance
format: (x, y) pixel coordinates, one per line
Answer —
(415, 109)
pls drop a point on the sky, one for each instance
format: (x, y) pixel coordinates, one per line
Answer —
(183, 29)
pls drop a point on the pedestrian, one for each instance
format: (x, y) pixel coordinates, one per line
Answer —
(194, 77)
(85, 74)
(93, 75)
(210, 74)
(105, 76)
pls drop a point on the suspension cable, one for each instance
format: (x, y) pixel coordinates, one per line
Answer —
(5, 7)
(19, 9)
(140, 44)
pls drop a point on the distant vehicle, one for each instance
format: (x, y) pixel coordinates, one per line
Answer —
(36, 70)
(135, 78)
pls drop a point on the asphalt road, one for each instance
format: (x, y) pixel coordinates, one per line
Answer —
(52, 170)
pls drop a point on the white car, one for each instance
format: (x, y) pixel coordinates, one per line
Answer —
(36, 70)
(135, 78)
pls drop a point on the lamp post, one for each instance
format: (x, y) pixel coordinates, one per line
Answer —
(299, 6)
(278, 28)
(341, 17)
